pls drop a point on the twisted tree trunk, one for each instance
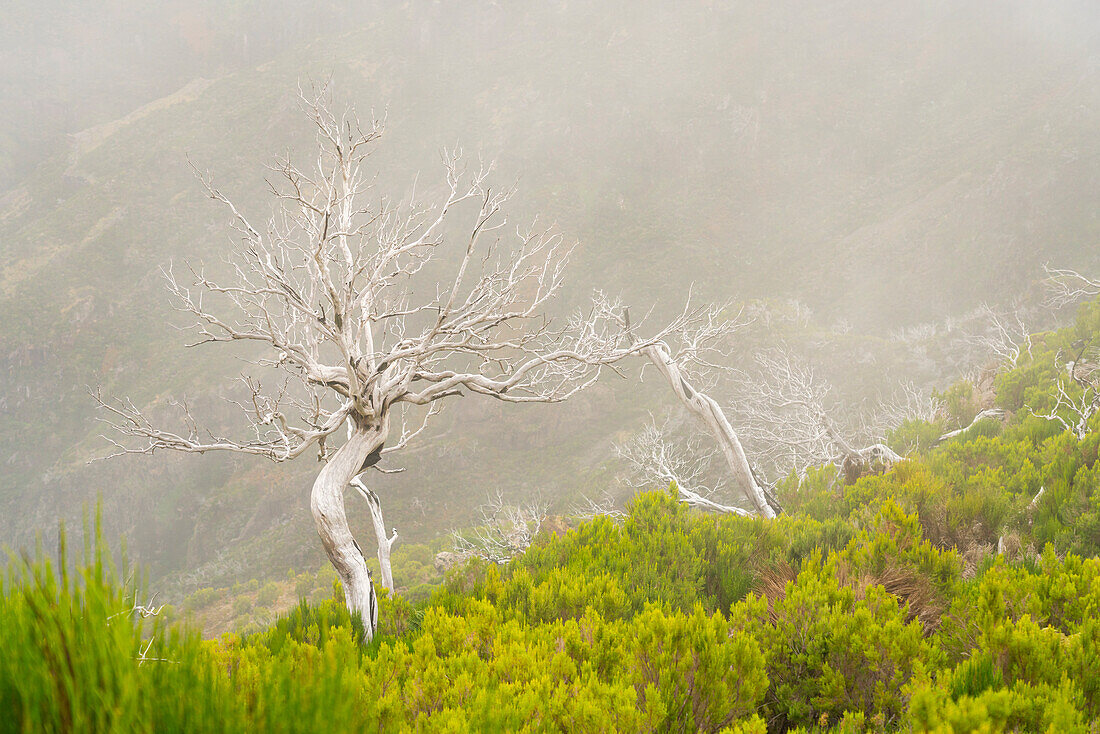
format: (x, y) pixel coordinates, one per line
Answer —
(327, 505)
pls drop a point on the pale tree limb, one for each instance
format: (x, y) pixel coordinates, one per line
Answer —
(1074, 411)
(707, 410)
(787, 416)
(1066, 287)
(1006, 336)
(588, 508)
(909, 403)
(981, 416)
(144, 611)
(653, 457)
(700, 332)
(1030, 512)
(698, 501)
(385, 542)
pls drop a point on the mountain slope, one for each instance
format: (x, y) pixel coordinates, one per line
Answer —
(883, 163)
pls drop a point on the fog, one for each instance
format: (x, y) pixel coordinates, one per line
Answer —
(884, 164)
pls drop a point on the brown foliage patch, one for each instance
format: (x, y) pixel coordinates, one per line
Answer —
(771, 584)
(1010, 545)
(907, 584)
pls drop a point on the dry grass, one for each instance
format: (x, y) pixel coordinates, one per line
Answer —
(907, 584)
(1010, 545)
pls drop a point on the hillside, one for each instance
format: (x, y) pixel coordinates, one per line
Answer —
(67, 66)
(957, 592)
(884, 163)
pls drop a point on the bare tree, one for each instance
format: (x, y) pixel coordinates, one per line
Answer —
(1076, 399)
(606, 506)
(1004, 335)
(505, 531)
(386, 541)
(786, 415)
(329, 288)
(909, 402)
(1066, 287)
(654, 455)
(980, 416)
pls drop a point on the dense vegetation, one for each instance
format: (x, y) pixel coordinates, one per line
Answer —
(939, 596)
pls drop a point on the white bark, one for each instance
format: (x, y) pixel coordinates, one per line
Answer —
(330, 518)
(1034, 504)
(698, 501)
(654, 457)
(909, 402)
(1006, 336)
(787, 417)
(385, 542)
(987, 413)
(1065, 287)
(506, 531)
(1074, 412)
(710, 414)
(588, 508)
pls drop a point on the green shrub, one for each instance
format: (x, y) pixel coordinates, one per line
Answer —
(268, 594)
(830, 652)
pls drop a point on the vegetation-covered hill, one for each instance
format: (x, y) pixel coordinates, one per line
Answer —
(885, 163)
(958, 592)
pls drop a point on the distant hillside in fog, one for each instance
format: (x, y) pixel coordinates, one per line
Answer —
(885, 163)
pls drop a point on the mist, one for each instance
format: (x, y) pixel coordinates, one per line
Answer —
(863, 170)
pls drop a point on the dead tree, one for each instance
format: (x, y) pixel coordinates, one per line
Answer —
(786, 416)
(785, 422)
(698, 337)
(1066, 287)
(909, 403)
(1005, 336)
(605, 506)
(341, 289)
(981, 416)
(1076, 394)
(386, 541)
(505, 531)
(653, 455)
